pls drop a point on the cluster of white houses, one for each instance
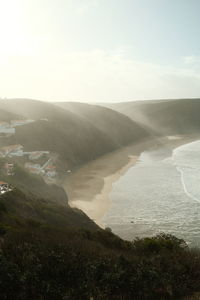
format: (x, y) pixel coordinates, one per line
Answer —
(8, 128)
(8, 169)
(14, 123)
(11, 150)
(18, 150)
(47, 169)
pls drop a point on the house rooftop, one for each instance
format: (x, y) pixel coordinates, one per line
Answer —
(50, 167)
(3, 182)
(11, 147)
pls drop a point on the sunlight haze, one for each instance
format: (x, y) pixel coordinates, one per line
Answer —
(99, 50)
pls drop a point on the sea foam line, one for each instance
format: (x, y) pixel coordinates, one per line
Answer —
(184, 186)
(175, 152)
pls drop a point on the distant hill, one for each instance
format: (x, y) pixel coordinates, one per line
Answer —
(179, 116)
(117, 126)
(78, 133)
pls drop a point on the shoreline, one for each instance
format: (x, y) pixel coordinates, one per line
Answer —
(89, 187)
(101, 202)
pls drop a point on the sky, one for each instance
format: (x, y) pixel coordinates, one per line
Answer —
(99, 50)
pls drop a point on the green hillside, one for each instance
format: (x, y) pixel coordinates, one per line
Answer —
(18, 209)
(165, 116)
(117, 126)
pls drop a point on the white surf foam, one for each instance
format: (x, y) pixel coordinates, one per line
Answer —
(186, 158)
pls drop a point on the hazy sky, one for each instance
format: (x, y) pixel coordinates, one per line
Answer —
(99, 50)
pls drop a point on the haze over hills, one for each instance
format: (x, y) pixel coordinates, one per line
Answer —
(174, 116)
(117, 127)
(78, 134)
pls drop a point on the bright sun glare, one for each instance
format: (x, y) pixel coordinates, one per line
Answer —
(11, 28)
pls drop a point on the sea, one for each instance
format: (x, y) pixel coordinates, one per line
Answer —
(161, 193)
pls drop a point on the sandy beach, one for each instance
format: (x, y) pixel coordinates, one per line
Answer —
(88, 188)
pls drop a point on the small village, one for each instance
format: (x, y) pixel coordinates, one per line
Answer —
(41, 163)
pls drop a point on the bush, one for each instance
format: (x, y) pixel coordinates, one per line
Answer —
(161, 242)
(47, 263)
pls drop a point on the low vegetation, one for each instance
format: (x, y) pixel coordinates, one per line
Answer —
(47, 263)
(17, 208)
(43, 256)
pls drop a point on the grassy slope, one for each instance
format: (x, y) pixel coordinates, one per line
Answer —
(42, 256)
(17, 208)
(167, 116)
(29, 183)
(40, 202)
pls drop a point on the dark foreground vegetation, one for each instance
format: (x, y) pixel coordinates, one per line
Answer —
(43, 261)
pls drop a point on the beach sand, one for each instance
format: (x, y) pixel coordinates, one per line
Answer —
(88, 188)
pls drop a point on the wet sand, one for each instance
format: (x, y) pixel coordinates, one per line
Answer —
(88, 188)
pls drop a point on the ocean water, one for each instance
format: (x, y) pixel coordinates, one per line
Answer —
(161, 193)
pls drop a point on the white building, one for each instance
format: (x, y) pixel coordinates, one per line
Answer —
(51, 173)
(7, 130)
(12, 150)
(21, 122)
(33, 168)
(9, 169)
(37, 154)
(4, 125)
